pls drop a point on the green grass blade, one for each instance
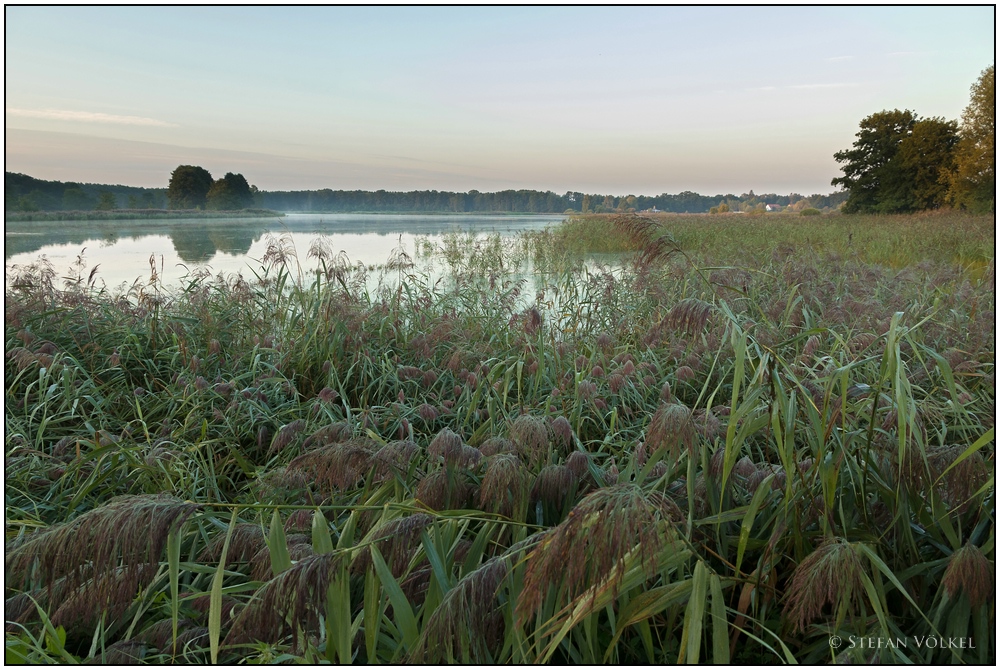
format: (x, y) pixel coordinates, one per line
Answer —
(720, 626)
(173, 563)
(401, 608)
(321, 538)
(215, 597)
(694, 616)
(277, 545)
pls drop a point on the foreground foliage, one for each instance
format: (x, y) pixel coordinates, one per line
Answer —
(681, 459)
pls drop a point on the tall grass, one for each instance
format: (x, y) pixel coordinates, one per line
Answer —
(726, 450)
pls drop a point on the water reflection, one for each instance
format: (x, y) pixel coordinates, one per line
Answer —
(122, 249)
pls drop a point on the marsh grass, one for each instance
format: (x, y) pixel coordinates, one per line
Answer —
(727, 452)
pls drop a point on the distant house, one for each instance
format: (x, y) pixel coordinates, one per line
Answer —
(773, 208)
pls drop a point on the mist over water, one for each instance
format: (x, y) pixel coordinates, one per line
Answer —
(124, 250)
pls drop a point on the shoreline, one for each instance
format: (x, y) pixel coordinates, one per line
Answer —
(137, 215)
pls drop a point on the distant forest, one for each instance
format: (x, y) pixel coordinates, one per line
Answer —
(25, 193)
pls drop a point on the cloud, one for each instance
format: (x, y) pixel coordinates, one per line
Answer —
(812, 86)
(87, 117)
(834, 59)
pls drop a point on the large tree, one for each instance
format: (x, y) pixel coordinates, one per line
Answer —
(870, 174)
(230, 192)
(189, 186)
(916, 177)
(972, 184)
(899, 163)
(926, 156)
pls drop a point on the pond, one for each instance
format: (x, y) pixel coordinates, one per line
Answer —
(122, 251)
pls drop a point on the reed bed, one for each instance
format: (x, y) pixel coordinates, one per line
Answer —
(743, 440)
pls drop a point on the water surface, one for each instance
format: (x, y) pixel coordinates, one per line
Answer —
(124, 250)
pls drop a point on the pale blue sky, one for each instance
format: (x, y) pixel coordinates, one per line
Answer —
(641, 100)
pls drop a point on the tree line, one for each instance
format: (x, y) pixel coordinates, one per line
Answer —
(192, 187)
(23, 193)
(903, 163)
(526, 201)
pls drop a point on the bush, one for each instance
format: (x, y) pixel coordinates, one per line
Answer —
(811, 211)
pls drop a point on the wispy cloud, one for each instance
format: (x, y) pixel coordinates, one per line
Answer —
(87, 117)
(834, 59)
(812, 86)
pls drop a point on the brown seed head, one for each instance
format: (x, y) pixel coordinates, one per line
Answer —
(690, 315)
(396, 540)
(294, 599)
(427, 412)
(394, 459)
(671, 428)
(684, 374)
(496, 445)
(285, 435)
(830, 575)
(812, 344)
(530, 436)
(579, 464)
(447, 444)
(970, 572)
(468, 626)
(593, 540)
(445, 489)
(562, 433)
(504, 488)
(586, 389)
(553, 486)
(340, 466)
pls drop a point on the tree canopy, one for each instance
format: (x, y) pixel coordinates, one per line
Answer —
(903, 163)
(230, 192)
(872, 176)
(189, 185)
(972, 182)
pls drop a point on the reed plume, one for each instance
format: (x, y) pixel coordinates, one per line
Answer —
(958, 485)
(654, 244)
(123, 652)
(530, 436)
(340, 466)
(446, 489)
(100, 559)
(830, 575)
(294, 600)
(447, 444)
(504, 489)
(671, 427)
(690, 315)
(329, 434)
(299, 547)
(247, 539)
(396, 541)
(562, 433)
(285, 435)
(596, 537)
(468, 626)
(969, 572)
(496, 445)
(393, 460)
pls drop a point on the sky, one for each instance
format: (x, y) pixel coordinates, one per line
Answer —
(613, 100)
